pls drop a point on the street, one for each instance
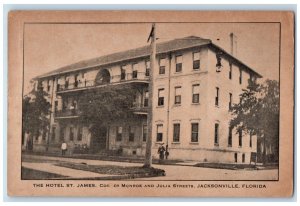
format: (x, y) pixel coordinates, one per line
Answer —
(173, 172)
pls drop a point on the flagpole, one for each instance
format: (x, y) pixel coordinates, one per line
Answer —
(148, 155)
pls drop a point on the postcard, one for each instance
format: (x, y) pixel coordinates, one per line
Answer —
(151, 103)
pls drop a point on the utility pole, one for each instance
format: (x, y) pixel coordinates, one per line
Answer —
(148, 155)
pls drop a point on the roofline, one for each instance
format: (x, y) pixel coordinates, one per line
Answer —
(113, 62)
(237, 60)
(209, 43)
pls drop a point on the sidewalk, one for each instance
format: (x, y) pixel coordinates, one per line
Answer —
(48, 167)
(173, 172)
(70, 168)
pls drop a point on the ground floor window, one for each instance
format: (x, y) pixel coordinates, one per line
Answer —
(131, 134)
(159, 133)
(243, 158)
(79, 134)
(62, 133)
(176, 132)
(235, 157)
(240, 138)
(119, 133)
(71, 134)
(44, 134)
(53, 134)
(230, 137)
(195, 130)
(145, 132)
(216, 134)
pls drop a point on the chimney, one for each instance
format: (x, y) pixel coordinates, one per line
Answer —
(233, 44)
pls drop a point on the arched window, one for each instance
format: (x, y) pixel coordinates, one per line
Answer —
(103, 77)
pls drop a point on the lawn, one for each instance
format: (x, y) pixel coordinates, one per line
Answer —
(30, 174)
(129, 172)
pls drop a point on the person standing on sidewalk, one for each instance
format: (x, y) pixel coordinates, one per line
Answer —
(167, 152)
(63, 148)
(161, 152)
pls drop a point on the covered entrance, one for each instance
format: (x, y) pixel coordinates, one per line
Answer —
(99, 140)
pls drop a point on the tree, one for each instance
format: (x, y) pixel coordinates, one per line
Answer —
(257, 113)
(99, 108)
(35, 111)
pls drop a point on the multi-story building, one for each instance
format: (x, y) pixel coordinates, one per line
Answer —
(194, 86)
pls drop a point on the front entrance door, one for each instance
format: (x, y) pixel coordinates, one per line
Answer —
(99, 140)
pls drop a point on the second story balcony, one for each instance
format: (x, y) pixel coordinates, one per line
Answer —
(67, 113)
(103, 79)
(139, 108)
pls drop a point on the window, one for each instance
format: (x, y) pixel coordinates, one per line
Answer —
(177, 95)
(230, 70)
(119, 133)
(196, 93)
(230, 136)
(179, 63)
(241, 78)
(240, 138)
(44, 135)
(147, 68)
(250, 143)
(176, 132)
(235, 157)
(196, 60)
(243, 158)
(159, 133)
(65, 104)
(37, 134)
(145, 132)
(48, 85)
(160, 97)
(76, 80)
(66, 82)
(230, 101)
(134, 71)
(162, 66)
(195, 131)
(55, 105)
(71, 134)
(131, 134)
(79, 135)
(53, 133)
(146, 99)
(62, 133)
(217, 97)
(57, 87)
(123, 72)
(216, 134)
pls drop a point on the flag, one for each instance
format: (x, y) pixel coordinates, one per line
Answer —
(151, 33)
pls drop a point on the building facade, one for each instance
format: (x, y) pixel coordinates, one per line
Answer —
(195, 84)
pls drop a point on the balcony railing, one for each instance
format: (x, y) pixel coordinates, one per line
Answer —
(139, 107)
(74, 113)
(67, 113)
(129, 77)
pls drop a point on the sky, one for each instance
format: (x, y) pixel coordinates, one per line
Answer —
(50, 46)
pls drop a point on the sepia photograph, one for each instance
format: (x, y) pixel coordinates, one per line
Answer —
(159, 104)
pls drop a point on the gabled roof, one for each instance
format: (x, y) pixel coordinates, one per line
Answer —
(163, 47)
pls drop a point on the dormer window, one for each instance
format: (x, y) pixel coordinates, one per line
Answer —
(123, 72)
(135, 71)
(147, 68)
(196, 60)
(162, 66)
(179, 63)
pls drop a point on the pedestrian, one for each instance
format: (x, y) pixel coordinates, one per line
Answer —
(167, 152)
(161, 152)
(63, 148)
